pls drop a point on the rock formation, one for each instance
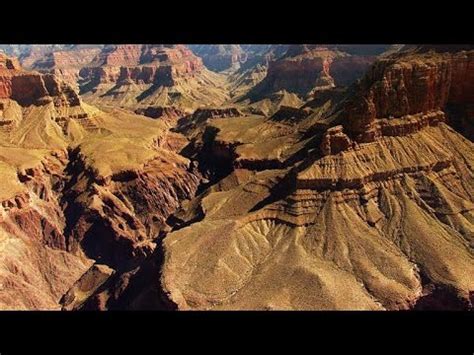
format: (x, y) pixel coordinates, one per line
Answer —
(66, 64)
(387, 217)
(28, 88)
(233, 57)
(167, 114)
(338, 178)
(410, 84)
(137, 76)
(80, 185)
(304, 69)
(220, 57)
(355, 204)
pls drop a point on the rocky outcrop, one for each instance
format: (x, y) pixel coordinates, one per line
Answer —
(335, 141)
(85, 287)
(203, 114)
(137, 76)
(9, 63)
(29, 88)
(220, 57)
(35, 267)
(143, 75)
(335, 220)
(400, 192)
(117, 217)
(105, 67)
(298, 71)
(66, 64)
(38, 183)
(305, 69)
(142, 64)
(420, 83)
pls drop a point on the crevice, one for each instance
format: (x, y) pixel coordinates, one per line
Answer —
(438, 297)
(143, 289)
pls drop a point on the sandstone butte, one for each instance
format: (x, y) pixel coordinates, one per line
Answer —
(316, 178)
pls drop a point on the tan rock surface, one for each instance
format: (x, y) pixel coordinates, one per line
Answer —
(314, 197)
(136, 76)
(368, 224)
(79, 184)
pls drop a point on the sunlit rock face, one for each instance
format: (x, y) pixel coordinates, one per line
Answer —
(79, 185)
(287, 177)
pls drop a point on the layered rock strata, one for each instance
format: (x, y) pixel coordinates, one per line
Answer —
(80, 185)
(220, 57)
(305, 69)
(382, 212)
(137, 76)
(66, 64)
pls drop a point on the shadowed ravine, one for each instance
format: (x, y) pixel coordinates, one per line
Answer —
(227, 177)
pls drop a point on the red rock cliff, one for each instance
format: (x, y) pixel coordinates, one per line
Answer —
(409, 84)
(142, 64)
(306, 68)
(66, 64)
(32, 88)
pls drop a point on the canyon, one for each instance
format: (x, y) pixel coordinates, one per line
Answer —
(237, 177)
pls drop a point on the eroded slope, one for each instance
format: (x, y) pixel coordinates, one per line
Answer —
(379, 217)
(80, 185)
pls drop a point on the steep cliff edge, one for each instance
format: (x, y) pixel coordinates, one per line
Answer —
(377, 217)
(137, 76)
(341, 208)
(360, 198)
(35, 267)
(412, 83)
(66, 64)
(80, 185)
(28, 88)
(305, 69)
